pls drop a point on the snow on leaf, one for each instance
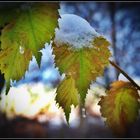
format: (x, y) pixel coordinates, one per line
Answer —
(84, 63)
(13, 64)
(120, 106)
(74, 31)
(67, 95)
(29, 31)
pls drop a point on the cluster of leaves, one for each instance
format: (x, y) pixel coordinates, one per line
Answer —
(82, 66)
(26, 27)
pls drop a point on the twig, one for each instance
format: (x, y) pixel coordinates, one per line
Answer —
(125, 74)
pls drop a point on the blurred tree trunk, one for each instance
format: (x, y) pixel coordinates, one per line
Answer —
(112, 8)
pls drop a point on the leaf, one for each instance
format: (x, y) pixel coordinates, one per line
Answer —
(84, 64)
(120, 106)
(67, 95)
(8, 12)
(14, 64)
(34, 26)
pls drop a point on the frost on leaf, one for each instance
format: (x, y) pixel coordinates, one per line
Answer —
(28, 32)
(83, 63)
(67, 95)
(120, 106)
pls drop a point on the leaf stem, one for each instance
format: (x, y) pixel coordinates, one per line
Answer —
(125, 74)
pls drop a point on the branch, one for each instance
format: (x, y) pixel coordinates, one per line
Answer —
(125, 74)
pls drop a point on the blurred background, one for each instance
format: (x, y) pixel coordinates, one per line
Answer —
(119, 22)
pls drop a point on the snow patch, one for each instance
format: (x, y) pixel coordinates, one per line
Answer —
(74, 31)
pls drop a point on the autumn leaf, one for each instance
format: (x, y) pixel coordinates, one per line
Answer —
(84, 64)
(27, 33)
(14, 64)
(32, 28)
(67, 95)
(120, 106)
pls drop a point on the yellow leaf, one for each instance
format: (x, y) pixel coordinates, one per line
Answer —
(120, 106)
(14, 64)
(67, 95)
(28, 32)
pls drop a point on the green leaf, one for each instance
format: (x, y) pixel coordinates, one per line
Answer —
(67, 95)
(14, 64)
(29, 31)
(84, 64)
(120, 106)
(33, 28)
